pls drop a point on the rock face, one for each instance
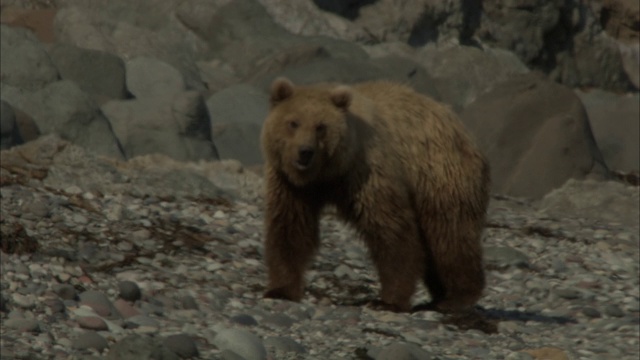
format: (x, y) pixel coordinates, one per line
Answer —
(615, 121)
(188, 79)
(553, 143)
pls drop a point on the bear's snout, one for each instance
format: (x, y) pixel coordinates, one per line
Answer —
(305, 155)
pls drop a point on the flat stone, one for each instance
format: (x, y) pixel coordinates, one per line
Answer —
(22, 325)
(183, 345)
(92, 323)
(241, 342)
(90, 340)
(285, 344)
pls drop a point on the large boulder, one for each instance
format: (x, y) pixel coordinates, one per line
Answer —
(9, 132)
(242, 34)
(133, 29)
(63, 108)
(96, 72)
(303, 17)
(150, 78)
(615, 121)
(597, 201)
(564, 39)
(536, 135)
(237, 114)
(39, 21)
(461, 73)
(24, 62)
(176, 126)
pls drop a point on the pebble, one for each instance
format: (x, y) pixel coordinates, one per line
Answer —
(128, 290)
(613, 310)
(403, 351)
(24, 301)
(125, 309)
(241, 342)
(591, 312)
(65, 291)
(143, 320)
(90, 340)
(22, 325)
(97, 301)
(202, 274)
(244, 319)
(183, 345)
(569, 294)
(92, 323)
(284, 344)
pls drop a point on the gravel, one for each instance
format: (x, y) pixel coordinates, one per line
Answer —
(129, 275)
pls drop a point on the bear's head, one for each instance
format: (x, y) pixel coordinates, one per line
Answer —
(306, 135)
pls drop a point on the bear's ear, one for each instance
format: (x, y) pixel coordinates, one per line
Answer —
(341, 96)
(281, 89)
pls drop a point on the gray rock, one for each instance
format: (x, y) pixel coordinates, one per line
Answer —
(237, 114)
(63, 108)
(134, 347)
(591, 312)
(230, 355)
(9, 131)
(189, 303)
(519, 356)
(462, 73)
(244, 319)
(129, 290)
(183, 345)
(152, 78)
(284, 344)
(92, 323)
(528, 125)
(278, 320)
(502, 256)
(314, 18)
(614, 122)
(176, 126)
(143, 320)
(579, 53)
(22, 325)
(90, 340)
(596, 201)
(569, 294)
(25, 63)
(99, 303)
(630, 54)
(613, 310)
(239, 103)
(241, 342)
(403, 351)
(95, 72)
(239, 141)
(65, 291)
(234, 41)
(132, 29)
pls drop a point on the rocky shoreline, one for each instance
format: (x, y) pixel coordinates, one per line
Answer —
(94, 267)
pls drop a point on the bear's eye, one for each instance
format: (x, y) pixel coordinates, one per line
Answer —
(321, 129)
(293, 124)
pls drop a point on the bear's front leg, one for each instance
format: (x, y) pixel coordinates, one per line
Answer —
(392, 236)
(292, 238)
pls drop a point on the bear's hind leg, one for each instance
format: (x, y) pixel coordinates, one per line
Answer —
(455, 273)
(395, 247)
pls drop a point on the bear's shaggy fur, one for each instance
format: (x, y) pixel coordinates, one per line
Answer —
(398, 166)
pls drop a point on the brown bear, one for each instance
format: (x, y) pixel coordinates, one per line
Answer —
(398, 166)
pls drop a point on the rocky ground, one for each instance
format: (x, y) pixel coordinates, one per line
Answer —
(155, 259)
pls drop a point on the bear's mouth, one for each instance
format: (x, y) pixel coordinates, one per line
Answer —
(302, 166)
(305, 158)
